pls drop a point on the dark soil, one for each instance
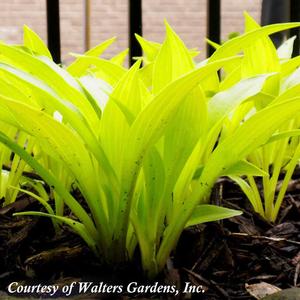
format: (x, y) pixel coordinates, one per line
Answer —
(221, 257)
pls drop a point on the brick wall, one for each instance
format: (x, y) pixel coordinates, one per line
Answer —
(109, 18)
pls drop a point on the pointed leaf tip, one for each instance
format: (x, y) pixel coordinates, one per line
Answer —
(137, 64)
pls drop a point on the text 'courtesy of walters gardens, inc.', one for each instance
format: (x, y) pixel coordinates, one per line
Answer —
(85, 287)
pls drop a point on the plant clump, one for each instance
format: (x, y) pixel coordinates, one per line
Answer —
(145, 145)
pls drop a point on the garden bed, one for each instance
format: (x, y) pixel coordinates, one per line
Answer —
(220, 256)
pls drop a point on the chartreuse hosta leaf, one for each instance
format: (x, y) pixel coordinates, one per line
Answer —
(97, 91)
(237, 44)
(33, 42)
(261, 56)
(245, 41)
(208, 213)
(151, 49)
(289, 66)
(285, 51)
(110, 71)
(212, 43)
(43, 201)
(79, 66)
(119, 58)
(244, 168)
(76, 226)
(284, 134)
(145, 146)
(224, 102)
(102, 68)
(264, 53)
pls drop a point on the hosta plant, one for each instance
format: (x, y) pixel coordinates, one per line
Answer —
(280, 154)
(142, 145)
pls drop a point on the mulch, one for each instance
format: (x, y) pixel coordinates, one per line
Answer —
(221, 257)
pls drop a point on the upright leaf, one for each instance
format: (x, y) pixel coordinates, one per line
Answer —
(33, 42)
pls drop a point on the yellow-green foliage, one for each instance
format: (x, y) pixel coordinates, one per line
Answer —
(144, 145)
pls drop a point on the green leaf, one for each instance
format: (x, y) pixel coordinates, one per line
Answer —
(291, 81)
(154, 174)
(285, 51)
(213, 44)
(33, 42)
(237, 44)
(150, 49)
(146, 73)
(224, 102)
(76, 226)
(119, 59)
(289, 66)
(78, 67)
(99, 49)
(98, 92)
(252, 195)
(190, 171)
(38, 198)
(210, 213)
(101, 68)
(285, 134)
(244, 168)
(172, 53)
(260, 57)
